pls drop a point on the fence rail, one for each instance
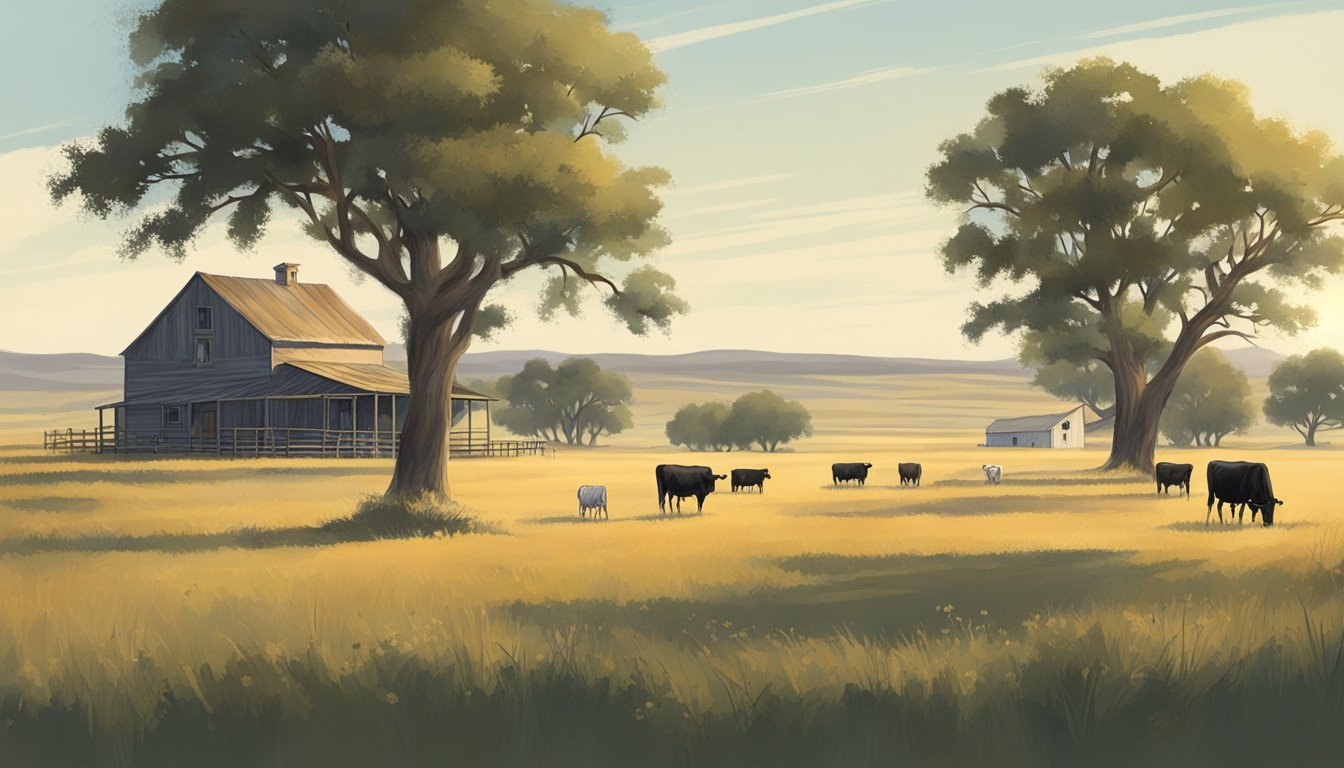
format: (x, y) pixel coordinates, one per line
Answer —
(275, 442)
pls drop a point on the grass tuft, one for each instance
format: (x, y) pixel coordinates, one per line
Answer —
(403, 517)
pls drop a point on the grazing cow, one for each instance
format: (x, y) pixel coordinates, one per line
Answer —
(746, 478)
(910, 473)
(849, 471)
(1243, 483)
(1168, 474)
(593, 497)
(993, 473)
(681, 482)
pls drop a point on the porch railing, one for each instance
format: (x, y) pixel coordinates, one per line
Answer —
(275, 442)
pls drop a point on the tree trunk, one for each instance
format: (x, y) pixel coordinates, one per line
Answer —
(431, 356)
(1311, 433)
(1138, 408)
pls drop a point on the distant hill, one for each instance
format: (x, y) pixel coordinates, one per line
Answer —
(739, 363)
(1255, 362)
(74, 372)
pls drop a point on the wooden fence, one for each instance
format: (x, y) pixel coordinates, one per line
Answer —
(276, 442)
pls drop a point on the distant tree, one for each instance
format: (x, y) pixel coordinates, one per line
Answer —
(439, 148)
(1211, 400)
(570, 402)
(1107, 194)
(766, 420)
(1306, 392)
(700, 427)
(760, 418)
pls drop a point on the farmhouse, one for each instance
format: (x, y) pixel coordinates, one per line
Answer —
(244, 366)
(1056, 430)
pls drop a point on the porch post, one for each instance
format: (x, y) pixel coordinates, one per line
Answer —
(100, 430)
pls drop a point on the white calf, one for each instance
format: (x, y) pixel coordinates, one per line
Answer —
(993, 473)
(592, 497)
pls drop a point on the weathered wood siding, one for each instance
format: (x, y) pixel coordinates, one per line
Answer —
(170, 336)
(143, 420)
(172, 381)
(160, 365)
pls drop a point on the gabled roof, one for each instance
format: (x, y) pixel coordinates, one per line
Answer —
(1029, 423)
(303, 312)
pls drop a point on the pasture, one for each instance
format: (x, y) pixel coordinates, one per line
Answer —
(171, 611)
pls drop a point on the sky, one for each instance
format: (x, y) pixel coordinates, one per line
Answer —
(797, 134)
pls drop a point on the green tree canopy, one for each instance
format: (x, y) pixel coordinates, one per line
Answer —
(440, 148)
(700, 427)
(1211, 400)
(762, 419)
(766, 420)
(570, 402)
(1106, 199)
(1306, 392)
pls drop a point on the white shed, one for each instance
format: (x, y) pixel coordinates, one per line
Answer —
(1056, 430)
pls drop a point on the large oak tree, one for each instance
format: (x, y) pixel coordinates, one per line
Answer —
(439, 146)
(1107, 194)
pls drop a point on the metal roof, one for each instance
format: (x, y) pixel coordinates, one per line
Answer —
(1029, 423)
(303, 312)
(372, 378)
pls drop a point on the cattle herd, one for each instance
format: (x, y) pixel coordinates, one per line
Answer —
(1239, 484)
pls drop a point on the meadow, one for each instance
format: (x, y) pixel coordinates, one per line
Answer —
(170, 611)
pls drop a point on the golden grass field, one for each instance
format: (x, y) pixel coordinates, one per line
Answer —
(128, 577)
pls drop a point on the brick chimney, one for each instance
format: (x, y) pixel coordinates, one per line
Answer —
(287, 274)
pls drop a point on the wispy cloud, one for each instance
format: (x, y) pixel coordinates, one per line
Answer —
(1173, 21)
(630, 26)
(36, 129)
(703, 34)
(723, 208)
(1244, 28)
(863, 78)
(744, 181)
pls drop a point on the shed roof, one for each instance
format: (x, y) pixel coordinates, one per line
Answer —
(373, 378)
(304, 312)
(1029, 423)
(362, 377)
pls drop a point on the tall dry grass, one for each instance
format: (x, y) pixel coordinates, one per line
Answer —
(162, 611)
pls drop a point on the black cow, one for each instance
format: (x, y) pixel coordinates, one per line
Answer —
(850, 471)
(745, 478)
(681, 482)
(910, 473)
(1243, 483)
(1168, 474)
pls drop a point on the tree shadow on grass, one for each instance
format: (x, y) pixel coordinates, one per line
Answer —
(882, 596)
(979, 506)
(1191, 526)
(53, 504)
(376, 519)
(895, 596)
(186, 474)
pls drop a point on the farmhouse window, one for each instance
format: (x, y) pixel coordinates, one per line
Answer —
(204, 321)
(1014, 441)
(172, 415)
(204, 355)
